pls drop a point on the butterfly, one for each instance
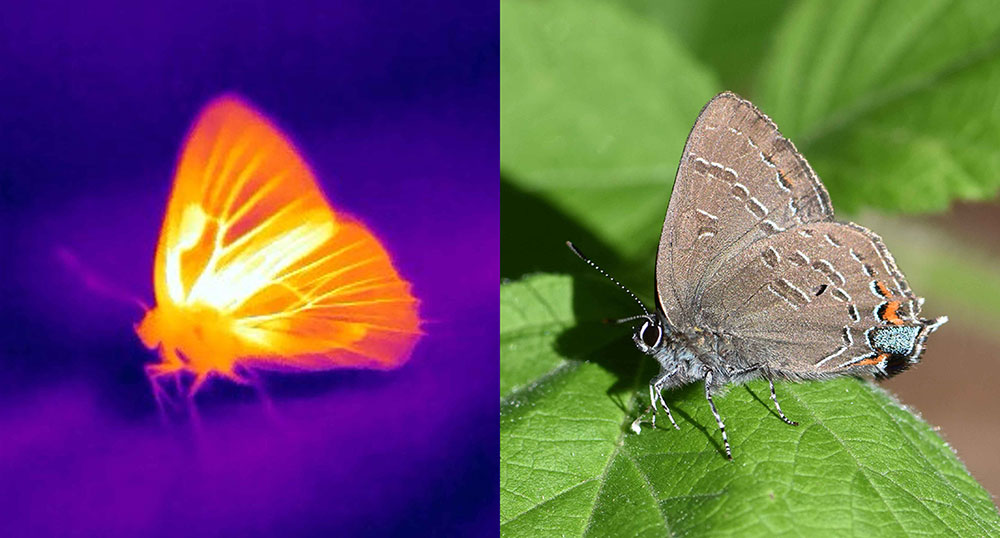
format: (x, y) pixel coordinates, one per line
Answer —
(755, 278)
(255, 269)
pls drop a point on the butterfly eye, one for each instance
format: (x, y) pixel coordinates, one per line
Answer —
(650, 334)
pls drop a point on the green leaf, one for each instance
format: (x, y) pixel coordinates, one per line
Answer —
(730, 37)
(858, 464)
(595, 105)
(894, 103)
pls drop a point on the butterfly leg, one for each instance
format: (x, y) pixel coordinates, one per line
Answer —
(199, 380)
(192, 409)
(744, 371)
(659, 396)
(155, 373)
(194, 417)
(154, 382)
(656, 393)
(718, 419)
(777, 406)
(253, 379)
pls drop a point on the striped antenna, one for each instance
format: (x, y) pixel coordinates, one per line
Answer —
(611, 278)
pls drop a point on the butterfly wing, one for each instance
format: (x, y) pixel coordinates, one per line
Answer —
(819, 299)
(738, 181)
(250, 239)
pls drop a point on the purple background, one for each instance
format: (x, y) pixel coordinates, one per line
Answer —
(396, 108)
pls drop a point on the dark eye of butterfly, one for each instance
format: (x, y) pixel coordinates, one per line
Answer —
(650, 334)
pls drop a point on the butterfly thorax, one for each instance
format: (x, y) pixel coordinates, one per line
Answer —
(197, 338)
(688, 356)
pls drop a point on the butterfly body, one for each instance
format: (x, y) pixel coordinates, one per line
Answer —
(686, 358)
(256, 270)
(200, 340)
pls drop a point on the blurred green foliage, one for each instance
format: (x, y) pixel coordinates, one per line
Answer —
(895, 104)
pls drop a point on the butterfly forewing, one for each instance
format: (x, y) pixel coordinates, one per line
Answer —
(249, 235)
(739, 180)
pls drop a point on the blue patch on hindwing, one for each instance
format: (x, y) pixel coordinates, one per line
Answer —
(895, 340)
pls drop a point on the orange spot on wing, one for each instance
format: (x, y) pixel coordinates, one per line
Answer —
(883, 289)
(874, 360)
(890, 315)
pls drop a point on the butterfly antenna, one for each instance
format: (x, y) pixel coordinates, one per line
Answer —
(94, 281)
(611, 278)
(630, 318)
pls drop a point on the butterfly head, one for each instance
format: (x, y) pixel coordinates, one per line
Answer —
(149, 328)
(648, 337)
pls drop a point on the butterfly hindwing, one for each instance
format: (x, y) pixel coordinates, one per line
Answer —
(812, 300)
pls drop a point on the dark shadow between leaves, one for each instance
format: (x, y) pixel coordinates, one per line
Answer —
(597, 339)
(533, 239)
(613, 351)
(534, 234)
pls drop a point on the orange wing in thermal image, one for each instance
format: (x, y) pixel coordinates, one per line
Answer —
(254, 268)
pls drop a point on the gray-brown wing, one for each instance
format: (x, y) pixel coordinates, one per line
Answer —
(738, 181)
(818, 299)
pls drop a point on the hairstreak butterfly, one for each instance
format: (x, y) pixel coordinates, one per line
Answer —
(255, 270)
(755, 279)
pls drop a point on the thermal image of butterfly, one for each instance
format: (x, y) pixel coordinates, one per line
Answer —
(255, 270)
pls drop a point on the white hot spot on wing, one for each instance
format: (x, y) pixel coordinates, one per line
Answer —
(770, 227)
(251, 265)
(190, 230)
